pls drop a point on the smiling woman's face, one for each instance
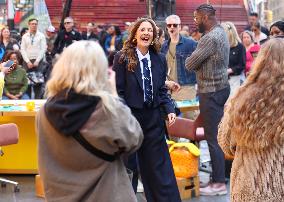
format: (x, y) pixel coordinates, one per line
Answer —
(144, 35)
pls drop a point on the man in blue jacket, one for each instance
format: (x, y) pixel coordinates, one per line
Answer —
(177, 49)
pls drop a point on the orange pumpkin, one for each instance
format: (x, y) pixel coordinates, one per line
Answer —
(185, 164)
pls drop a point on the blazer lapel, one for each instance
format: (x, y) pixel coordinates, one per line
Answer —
(154, 69)
(138, 74)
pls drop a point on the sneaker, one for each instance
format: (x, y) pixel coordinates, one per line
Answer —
(213, 190)
(204, 184)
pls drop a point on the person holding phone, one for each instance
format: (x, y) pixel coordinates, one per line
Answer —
(16, 82)
(84, 101)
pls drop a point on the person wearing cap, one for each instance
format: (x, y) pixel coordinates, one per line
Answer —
(210, 61)
(50, 36)
(126, 31)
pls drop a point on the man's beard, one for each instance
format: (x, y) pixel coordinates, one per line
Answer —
(201, 28)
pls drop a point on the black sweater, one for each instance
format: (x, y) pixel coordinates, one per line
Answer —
(65, 39)
(237, 59)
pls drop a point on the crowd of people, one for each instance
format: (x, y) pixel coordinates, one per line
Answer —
(126, 80)
(37, 52)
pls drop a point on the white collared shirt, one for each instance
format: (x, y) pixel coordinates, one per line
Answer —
(33, 46)
(141, 57)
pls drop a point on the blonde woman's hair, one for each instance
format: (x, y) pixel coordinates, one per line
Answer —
(232, 33)
(257, 110)
(82, 67)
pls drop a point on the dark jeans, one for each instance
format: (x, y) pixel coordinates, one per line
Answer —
(212, 110)
(24, 97)
(38, 91)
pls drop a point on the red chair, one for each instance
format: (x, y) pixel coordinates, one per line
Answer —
(186, 128)
(192, 130)
(9, 135)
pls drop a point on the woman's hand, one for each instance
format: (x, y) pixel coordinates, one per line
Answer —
(173, 86)
(3, 68)
(230, 71)
(171, 118)
(19, 95)
(12, 97)
(111, 81)
(30, 65)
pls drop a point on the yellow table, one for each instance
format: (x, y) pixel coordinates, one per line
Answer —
(187, 105)
(22, 157)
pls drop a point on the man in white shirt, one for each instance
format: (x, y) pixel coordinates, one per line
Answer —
(33, 48)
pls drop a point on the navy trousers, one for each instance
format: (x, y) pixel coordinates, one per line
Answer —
(212, 110)
(154, 162)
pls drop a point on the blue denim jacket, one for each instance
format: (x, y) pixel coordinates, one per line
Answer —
(184, 49)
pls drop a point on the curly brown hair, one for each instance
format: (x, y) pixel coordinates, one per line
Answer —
(256, 111)
(11, 52)
(129, 47)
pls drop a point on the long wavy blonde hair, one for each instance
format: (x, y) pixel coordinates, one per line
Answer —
(257, 110)
(232, 33)
(129, 47)
(83, 68)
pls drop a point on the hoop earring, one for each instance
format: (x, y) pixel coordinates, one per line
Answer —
(134, 40)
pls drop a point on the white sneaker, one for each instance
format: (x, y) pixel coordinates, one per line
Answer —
(213, 190)
(140, 188)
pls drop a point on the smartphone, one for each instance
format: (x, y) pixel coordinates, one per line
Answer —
(9, 64)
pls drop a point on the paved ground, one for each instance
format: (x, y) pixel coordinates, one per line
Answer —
(27, 192)
(27, 187)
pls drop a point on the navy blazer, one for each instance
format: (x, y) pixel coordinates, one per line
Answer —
(130, 85)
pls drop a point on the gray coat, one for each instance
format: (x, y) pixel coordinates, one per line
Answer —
(70, 173)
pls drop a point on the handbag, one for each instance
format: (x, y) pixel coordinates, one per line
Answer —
(9, 134)
(35, 78)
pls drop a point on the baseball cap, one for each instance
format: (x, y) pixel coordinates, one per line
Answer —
(51, 29)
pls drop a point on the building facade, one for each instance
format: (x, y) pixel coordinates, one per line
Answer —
(277, 7)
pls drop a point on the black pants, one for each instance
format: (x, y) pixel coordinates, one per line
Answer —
(212, 110)
(154, 162)
(38, 91)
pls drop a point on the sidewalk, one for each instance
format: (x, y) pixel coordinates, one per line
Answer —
(27, 187)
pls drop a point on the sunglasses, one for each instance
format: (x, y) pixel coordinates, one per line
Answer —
(174, 25)
(67, 23)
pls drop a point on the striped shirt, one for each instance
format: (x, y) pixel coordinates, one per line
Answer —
(210, 61)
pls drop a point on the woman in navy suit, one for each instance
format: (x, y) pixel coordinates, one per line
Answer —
(140, 79)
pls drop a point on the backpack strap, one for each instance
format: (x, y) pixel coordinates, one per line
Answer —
(98, 153)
